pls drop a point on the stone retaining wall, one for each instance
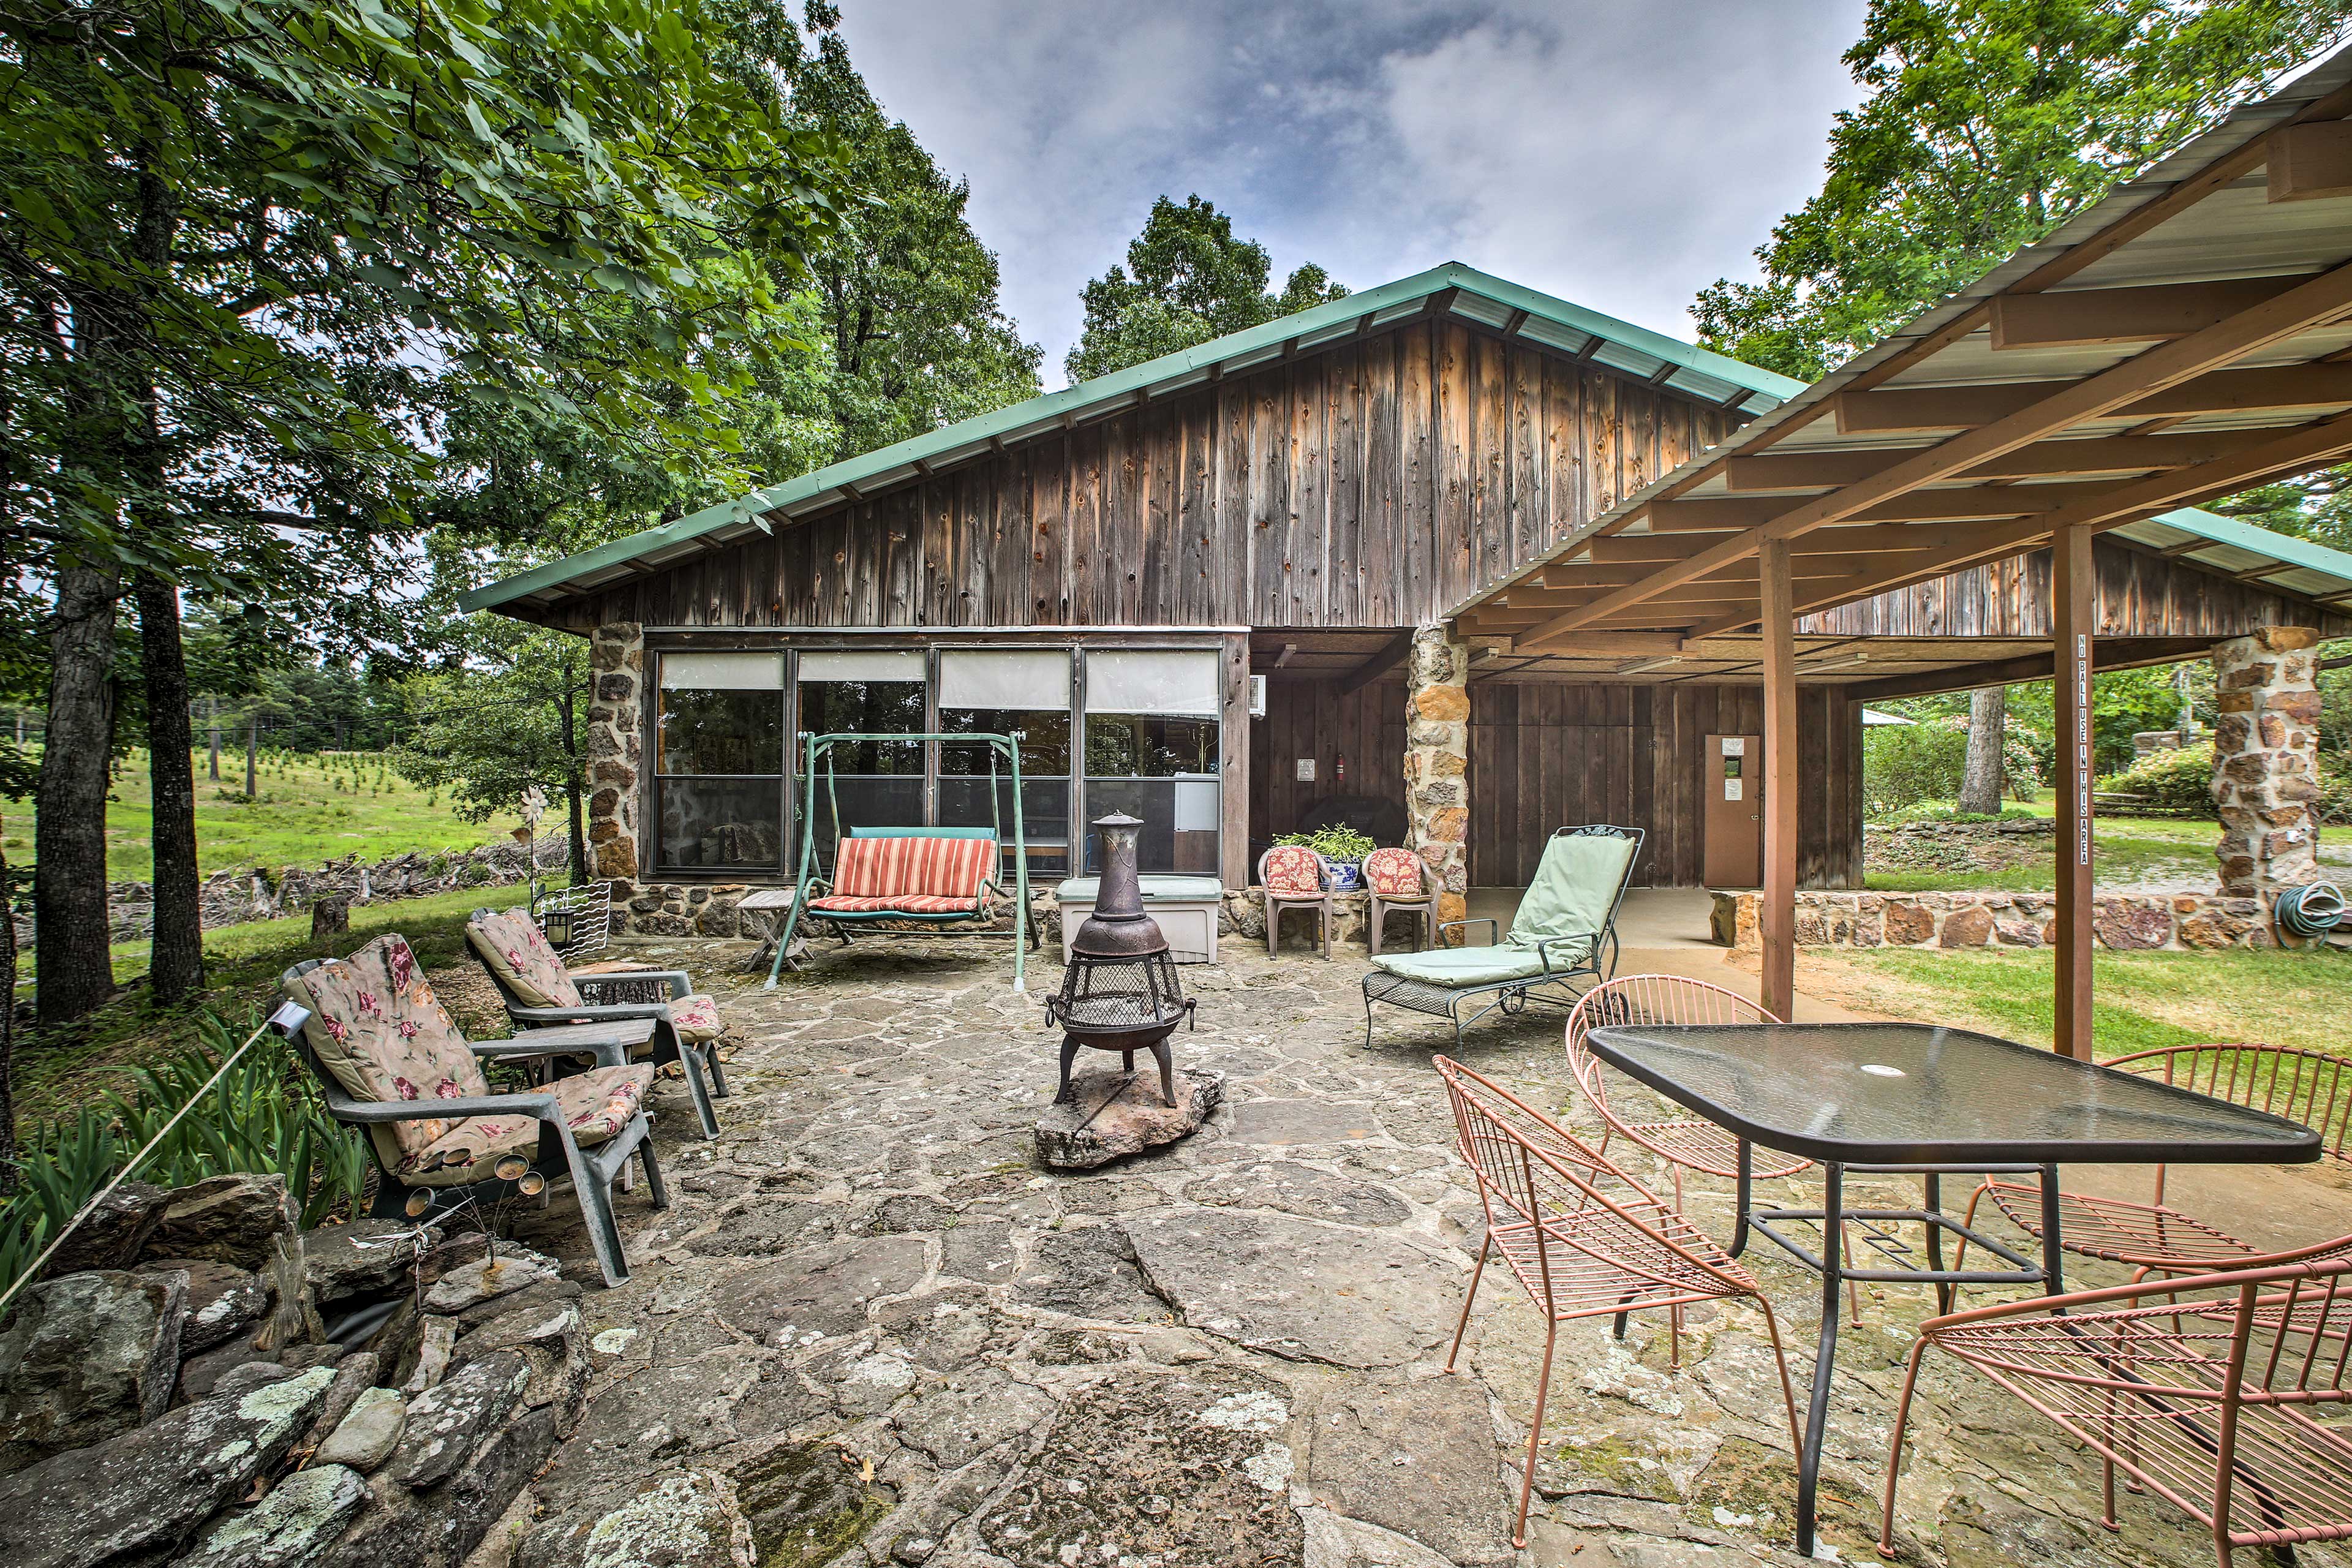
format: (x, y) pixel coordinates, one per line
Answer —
(1933, 846)
(2123, 922)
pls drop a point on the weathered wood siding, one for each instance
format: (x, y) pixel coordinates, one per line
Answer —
(1553, 755)
(1373, 484)
(2137, 593)
(1309, 719)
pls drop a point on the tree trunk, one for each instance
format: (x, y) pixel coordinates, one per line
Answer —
(76, 972)
(1981, 775)
(7, 1031)
(176, 966)
(573, 767)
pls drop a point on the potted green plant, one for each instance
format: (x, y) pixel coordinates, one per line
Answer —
(1343, 850)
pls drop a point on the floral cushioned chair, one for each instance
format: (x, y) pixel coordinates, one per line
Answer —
(1395, 882)
(391, 1059)
(538, 990)
(1293, 878)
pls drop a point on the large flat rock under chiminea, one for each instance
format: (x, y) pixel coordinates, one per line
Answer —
(1110, 1115)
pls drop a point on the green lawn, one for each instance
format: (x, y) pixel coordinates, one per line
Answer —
(311, 809)
(243, 964)
(2143, 999)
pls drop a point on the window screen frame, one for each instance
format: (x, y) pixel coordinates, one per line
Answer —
(1076, 648)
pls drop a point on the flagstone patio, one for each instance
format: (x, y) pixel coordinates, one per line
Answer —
(903, 1340)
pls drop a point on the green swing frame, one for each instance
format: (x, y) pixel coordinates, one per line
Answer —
(1006, 748)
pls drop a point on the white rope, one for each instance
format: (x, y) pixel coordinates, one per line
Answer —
(299, 1015)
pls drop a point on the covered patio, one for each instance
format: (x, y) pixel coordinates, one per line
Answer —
(903, 1343)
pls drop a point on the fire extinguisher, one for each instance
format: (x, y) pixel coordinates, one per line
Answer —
(1339, 771)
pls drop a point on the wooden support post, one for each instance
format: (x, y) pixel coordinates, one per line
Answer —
(2070, 634)
(1779, 914)
(1233, 766)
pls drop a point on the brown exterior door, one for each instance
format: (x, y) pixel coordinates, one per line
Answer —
(1732, 786)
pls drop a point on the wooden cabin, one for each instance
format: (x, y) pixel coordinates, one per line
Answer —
(1195, 588)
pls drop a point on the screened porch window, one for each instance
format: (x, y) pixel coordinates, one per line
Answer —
(874, 783)
(1008, 691)
(719, 760)
(1151, 750)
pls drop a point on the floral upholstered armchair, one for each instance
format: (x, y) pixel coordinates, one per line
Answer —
(538, 991)
(1396, 882)
(1295, 877)
(390, 1059)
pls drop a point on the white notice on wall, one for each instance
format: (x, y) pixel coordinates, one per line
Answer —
(1731, 789)
(1735, 746)
(1306, 770)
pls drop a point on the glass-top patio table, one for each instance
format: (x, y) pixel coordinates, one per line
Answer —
(1923, 1099)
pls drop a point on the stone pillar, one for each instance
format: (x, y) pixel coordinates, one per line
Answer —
(616, 742)
(2264, 742)
(1437, 764)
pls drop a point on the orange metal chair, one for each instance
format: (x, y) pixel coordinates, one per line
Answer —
(2153, 1237)
(1687, 1143)
(1583, 1238)
(2207, 1390)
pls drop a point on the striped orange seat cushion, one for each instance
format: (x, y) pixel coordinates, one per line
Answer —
(911, 903)
(919, 876)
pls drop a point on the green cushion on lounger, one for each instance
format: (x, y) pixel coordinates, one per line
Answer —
(1457, 966)
(1575, 884)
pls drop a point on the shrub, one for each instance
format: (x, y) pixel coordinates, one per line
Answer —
(1337, 842)
(2334, 802)
(2180, 780)
(266, 1115)
(1908, 765)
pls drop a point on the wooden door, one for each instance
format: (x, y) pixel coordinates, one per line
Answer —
(1731, 788)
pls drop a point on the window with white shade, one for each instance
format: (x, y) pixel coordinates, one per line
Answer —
(1008, 691)
(874, 782)
(1152, 751)
(720, 761)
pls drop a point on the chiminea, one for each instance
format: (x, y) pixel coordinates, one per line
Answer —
(1119, 993)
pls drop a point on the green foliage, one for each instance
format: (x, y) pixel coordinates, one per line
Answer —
(513, 716)
(1905, 766)
(1988, 123)
(2124, 702)
(299, 226)
(1337, 842)
(265, 1116)
(2179, 780)
(1187, 280)
(2333, 805)
(908, 295)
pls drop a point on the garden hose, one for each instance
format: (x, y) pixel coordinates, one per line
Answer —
(2312, 910)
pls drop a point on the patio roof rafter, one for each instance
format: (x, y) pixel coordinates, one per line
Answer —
(2317, 301)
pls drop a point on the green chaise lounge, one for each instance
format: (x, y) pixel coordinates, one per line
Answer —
(1566, 929)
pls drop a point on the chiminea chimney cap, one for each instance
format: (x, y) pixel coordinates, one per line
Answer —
(1119, 927)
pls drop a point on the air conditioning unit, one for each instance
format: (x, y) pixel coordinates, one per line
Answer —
(1257, 696)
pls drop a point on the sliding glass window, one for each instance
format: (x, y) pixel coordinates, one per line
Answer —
(719, 761)
(1008, 691)
(1151, 750)
(874, 783)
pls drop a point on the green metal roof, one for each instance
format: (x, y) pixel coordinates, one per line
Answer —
(1505, 307)
(2265, 558)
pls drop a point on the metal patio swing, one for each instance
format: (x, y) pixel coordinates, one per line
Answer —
(913, 882)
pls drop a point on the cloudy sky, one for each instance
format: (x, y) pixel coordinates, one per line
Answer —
(1619, 155)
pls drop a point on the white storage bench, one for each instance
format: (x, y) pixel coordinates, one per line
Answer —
(1185, 907)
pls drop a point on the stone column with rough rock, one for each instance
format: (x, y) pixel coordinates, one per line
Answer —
(2265, 742)
(615, 747)
(1437, 765)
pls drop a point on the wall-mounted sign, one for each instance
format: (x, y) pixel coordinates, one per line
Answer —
(1735, 746)
(1306, 770)
(1731, 789)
